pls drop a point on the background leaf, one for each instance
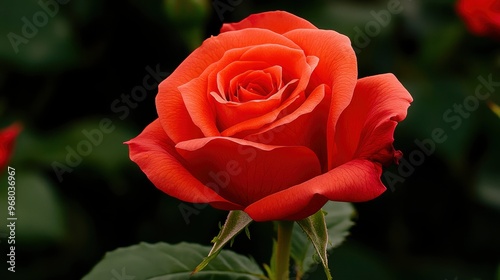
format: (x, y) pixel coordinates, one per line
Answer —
(338, 221)
(38, 209)
(172, 262)
(43, 41)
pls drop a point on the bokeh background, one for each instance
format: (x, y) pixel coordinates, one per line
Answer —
(439, 219)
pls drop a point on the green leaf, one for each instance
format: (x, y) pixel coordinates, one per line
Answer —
(36, 38)
(172, 262)
(189, 17)
(86, 144)
(440, 42)
(236, 221)
(338, 222)
(38, 208)
(315, 228)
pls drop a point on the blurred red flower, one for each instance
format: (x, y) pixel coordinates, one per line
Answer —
(482, 17)
(8, 136)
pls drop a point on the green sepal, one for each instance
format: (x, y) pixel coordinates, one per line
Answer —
(315, 228)
(338, 218)
(236, 221)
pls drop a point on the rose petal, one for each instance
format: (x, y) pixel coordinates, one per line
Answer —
(294, 63)
(242, 171)
(242, 129)
(354, 181)
(155, 154)
(255, 84)
(195, 93)
(287, 106)
(233, 113)
(277, 21)
(336, 68)
(230, 86)
(366, 127)
(306, 126)
(171, 109)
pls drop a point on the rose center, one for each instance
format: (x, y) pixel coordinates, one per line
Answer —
(254, 85)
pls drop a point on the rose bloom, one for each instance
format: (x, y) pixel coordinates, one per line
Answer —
(482, 17)
(270, 118)
(7, 140)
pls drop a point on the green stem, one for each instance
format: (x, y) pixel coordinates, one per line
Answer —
(283, 250)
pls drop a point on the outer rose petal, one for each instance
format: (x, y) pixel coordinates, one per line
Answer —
(354, 181)
(171, 108)
(366, 127)
(243, 172)
(337, 68)
(277, 21)
(153, 151)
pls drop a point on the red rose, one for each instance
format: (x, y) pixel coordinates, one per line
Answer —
(7, 139)
(269, 117)
(482, 17)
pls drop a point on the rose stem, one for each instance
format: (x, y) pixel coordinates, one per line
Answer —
(283, 249)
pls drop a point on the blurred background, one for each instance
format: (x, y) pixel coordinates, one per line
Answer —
(81, 77)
